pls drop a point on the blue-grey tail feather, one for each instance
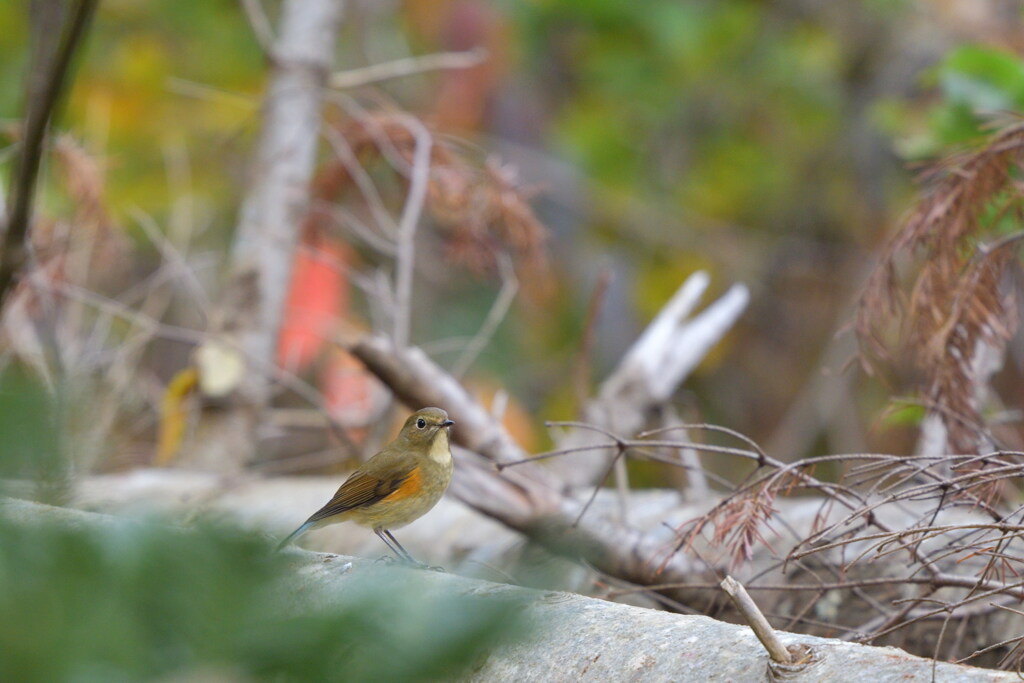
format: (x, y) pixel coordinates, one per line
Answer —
(295, 534)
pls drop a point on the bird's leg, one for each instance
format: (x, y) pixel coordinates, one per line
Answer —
(394, 551)
(409, 558)
(394, 546)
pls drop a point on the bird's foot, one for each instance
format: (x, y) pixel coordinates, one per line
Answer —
(416, 564)
(409, 562)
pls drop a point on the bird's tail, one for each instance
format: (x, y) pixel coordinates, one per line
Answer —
(295, 534)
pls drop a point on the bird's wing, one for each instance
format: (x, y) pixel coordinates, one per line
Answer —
(363, 489)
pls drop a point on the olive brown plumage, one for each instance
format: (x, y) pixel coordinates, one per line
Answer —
(396, 486)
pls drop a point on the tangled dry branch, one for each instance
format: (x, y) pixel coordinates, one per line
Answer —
(891, 552)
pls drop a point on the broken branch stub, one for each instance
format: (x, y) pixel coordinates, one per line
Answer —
(651, 371)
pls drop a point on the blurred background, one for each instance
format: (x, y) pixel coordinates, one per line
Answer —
(772, 144)
(588, 157)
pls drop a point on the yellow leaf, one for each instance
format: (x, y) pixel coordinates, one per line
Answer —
(173, 414)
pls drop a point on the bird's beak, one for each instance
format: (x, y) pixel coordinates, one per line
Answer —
(448, 423)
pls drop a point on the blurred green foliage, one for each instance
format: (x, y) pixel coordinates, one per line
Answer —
(142, 601)
(707, 103)
(979, 88)
(30, 447)
(976, 85)
(727, 136)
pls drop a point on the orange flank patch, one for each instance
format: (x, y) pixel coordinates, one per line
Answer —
(410, 487)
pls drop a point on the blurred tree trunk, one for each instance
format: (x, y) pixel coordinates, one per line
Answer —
(252, 304)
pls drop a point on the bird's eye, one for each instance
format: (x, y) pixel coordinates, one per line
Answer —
(421, 423)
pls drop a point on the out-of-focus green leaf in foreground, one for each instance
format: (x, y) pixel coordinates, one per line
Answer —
(142, 600)
(29, 443)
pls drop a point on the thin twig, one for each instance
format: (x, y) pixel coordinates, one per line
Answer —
(173, 257)
(581, 367)
(596, 488)
(406, 255)
(495, 316)
(260, 25)
(209, 93)
(408, 66)
(364, 183)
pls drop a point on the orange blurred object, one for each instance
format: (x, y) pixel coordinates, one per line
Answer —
(353, 396)
(463, 96)
(514, 417)
(318, 298)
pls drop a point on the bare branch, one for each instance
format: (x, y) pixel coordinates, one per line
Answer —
(499, 309)
(38, 114)
(417, 381)
(406, 237)
(408, 66)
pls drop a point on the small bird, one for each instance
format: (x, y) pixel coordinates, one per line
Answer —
(396, 486)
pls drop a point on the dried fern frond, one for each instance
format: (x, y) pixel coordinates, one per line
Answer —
(956, 307)
(480, 207)
(740, 520)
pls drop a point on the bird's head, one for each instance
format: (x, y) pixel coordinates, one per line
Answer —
(425, 426)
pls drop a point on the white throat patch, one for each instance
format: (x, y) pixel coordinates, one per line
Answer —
(440, 452)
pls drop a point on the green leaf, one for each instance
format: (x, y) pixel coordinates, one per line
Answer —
(904, 415)
(29, 443)
(983, 79)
